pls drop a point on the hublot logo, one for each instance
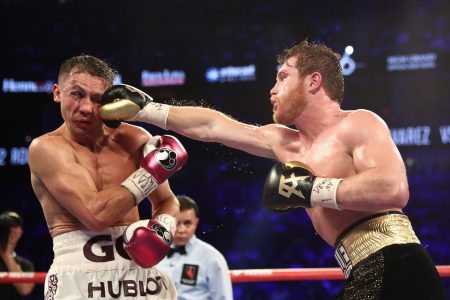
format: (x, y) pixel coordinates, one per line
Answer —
(126, 288)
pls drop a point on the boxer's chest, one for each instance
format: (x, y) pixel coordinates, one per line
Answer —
(109, 166)
(327, 156)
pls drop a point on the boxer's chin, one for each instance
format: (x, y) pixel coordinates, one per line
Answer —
(277, 118)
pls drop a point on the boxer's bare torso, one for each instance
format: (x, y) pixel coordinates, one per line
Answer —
(353, 145)
(334, 153)
(105, 163)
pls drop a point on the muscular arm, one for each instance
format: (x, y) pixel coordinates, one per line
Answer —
(69, 183)
(380, 182)
(164, 201)
(209, 125)
(197, 123)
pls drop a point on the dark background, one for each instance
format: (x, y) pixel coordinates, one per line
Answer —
(195, 35)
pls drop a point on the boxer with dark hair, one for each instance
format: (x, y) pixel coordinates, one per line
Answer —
(342, 166)
(89, 180)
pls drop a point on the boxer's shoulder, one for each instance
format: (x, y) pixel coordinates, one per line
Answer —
(48, 144)
(359, 126)
(127, 136)
(361, 117)
(126, 129)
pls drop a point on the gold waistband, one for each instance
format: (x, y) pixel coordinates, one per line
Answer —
(371, 236)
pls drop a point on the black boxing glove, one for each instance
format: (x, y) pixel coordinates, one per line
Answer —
(122, 102)
(291, 185)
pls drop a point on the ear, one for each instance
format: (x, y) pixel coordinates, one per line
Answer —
(314, 82)
(56, 93)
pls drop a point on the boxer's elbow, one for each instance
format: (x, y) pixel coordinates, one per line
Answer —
(399, 195)
(96, 224)
(97, 221)
(100, 226)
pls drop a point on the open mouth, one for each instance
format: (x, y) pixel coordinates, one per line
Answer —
(274, 104)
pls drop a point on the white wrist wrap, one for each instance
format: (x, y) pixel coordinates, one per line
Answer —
(154, 113)
(140, 184)
(324, 192)
(169, 221)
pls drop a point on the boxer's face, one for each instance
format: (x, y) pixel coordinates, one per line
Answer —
(187, 224)
(288, 93)
(79, 94)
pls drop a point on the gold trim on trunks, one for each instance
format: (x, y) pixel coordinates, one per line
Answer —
(371, 236)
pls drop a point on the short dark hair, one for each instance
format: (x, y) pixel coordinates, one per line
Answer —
(315, 57)
(15, 218)
(186, 203)
(89, 64)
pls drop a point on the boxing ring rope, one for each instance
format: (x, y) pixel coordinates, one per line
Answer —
(237, 276)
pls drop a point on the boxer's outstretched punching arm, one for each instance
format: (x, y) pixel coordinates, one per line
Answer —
(197, 123)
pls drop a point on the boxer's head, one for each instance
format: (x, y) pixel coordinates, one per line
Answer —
(312, 57)
(87, 64)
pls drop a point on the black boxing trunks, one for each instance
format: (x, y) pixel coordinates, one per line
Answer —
(382, 258)
(94, 265)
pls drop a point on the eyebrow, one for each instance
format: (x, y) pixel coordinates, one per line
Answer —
(78, 88)
(287, 64)
(70, 86)
(186, 221)
(282, 71)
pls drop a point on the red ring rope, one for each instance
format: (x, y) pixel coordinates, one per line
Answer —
(246, 275)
